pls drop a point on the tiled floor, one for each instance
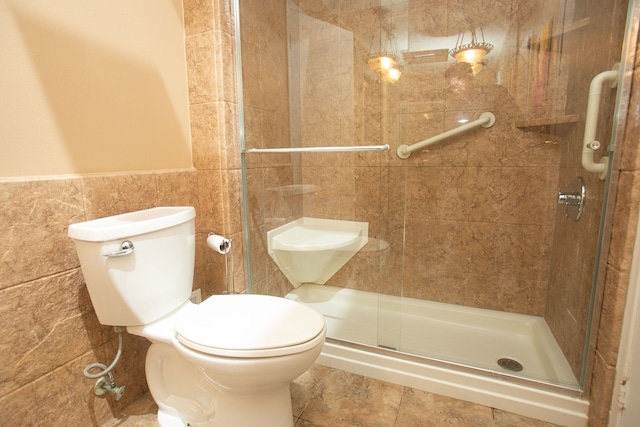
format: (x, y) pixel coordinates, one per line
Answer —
(325, 397)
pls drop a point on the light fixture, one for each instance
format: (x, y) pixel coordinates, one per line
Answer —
(473, 52)
(392, 75)
(382, 62)
(386, 59)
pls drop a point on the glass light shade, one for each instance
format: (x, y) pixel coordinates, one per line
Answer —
(392, 75)
(472, 55)
(382, 62)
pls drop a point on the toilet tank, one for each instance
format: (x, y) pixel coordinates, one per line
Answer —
(135, 287)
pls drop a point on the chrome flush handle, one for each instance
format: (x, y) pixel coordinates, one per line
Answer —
(126, 248)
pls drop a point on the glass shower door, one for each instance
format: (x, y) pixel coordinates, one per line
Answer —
(468, 227)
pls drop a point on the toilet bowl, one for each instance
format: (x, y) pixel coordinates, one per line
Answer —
(225, 362)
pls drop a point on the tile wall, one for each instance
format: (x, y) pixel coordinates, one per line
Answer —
(483, 187)
(470, 221)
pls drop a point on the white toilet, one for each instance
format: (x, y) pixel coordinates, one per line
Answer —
(226, 362)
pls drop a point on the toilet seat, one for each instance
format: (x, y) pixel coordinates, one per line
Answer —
(250, 326)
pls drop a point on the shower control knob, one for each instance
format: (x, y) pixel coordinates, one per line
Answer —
(574, 199)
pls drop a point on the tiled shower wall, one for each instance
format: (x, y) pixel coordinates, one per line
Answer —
(372, 187)
(472, 220)
(49, 330)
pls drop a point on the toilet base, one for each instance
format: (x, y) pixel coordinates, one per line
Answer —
(267, 408)
(168, 420)
(185, 395)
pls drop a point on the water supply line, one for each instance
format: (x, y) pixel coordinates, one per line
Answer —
(106, 381)
(590, 144)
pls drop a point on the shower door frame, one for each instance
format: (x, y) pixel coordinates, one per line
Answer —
(622, 98)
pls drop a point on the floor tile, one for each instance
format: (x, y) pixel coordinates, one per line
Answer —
(304, 387)
(325, 397)
(508, 419)
(346, 399)
(420, 408)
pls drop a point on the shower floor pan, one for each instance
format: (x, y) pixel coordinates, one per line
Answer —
(469, 340)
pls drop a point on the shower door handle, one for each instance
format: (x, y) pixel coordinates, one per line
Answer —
(589, 144)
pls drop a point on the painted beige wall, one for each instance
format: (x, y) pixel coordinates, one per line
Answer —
(49, 329)
(92, 86)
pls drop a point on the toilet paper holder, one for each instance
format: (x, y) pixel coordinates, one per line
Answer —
(218, 243)
(222, 245)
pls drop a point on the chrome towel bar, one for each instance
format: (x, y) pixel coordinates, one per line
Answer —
(330, 149)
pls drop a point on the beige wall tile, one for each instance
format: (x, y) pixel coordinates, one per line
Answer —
(33, 225)
(201, 68)
(117, 194)
(35, 403)
(206, 138)
(198, 16)
(224, 49)
(43, 328)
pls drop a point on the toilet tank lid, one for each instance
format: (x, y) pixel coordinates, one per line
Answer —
(131, 224)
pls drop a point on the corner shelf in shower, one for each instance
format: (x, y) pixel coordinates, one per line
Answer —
(548, 124)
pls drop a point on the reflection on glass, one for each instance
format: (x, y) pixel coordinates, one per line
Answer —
(473, 52)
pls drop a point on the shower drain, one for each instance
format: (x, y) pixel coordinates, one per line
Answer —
(510, 364)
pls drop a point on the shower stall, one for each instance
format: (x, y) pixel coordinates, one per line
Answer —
(482, 246)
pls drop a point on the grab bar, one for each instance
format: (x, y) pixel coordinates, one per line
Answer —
(486, 120)
(334, 149)
(590, 144)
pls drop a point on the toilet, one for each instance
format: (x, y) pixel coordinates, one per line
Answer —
(226, 362)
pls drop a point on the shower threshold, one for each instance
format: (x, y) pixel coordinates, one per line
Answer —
(449, 350)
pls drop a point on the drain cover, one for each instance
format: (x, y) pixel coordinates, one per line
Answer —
(510, 364)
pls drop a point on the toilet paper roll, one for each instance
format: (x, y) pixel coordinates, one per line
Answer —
(219, 244)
